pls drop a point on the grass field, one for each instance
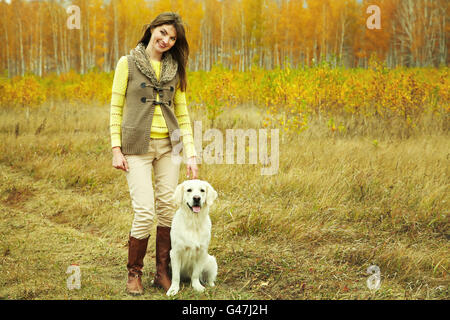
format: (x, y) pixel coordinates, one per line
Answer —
(338, 204)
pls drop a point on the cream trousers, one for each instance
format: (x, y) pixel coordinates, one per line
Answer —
(145, 201)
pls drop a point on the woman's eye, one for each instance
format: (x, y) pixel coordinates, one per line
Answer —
(163, 32)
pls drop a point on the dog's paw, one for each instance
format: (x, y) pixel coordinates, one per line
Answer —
(211, 284)
(173, 290)
(198, 287)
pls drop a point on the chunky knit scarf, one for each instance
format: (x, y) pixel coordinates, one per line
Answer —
(168, 70)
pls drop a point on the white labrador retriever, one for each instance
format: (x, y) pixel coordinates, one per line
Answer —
(190, 236)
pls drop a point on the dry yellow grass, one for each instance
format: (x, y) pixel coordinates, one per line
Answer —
(338, 204)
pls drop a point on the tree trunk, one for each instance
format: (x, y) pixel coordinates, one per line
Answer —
(106, 48)
(54, 22)
(116, 33)
(82, 65)
(41, 20)
(343, 29)
(222, 23)
(8, 63)
(442, 36)
(22, 58)
(407, 21)
(88, 39)
(94, 44)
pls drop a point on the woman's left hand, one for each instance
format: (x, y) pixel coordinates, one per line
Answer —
(192, 168)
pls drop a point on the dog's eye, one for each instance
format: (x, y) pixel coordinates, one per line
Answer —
(189, 190)
(202, 190)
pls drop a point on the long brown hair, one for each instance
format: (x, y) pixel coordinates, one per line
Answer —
(180, 50)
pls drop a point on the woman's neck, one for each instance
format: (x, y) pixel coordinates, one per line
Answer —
(153, 55)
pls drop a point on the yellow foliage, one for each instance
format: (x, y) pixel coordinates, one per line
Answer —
(288, 96)
(24, 91)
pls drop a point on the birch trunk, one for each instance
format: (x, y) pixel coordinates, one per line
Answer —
(40, 40)
(442, 36)
(82, 65)
(88, 39)
(8, 63)
(22, 58)
(116, 33)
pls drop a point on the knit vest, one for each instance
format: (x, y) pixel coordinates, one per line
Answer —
(140, 107)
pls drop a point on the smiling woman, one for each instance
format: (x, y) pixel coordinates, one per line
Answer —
(151, 83)
(164, 39)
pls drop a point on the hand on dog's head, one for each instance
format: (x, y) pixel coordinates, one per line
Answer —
(195, 193)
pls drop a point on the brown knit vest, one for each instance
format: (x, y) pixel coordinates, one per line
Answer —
(139, 109)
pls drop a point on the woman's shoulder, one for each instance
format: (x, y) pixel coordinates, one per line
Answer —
(123, 60)
(121, 72)
(122, 65)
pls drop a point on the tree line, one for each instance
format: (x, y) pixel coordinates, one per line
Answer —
(239, 34)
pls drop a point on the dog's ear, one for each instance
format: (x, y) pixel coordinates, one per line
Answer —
(211, 194)
(178, 194)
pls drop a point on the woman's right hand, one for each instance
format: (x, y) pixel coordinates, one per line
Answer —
(119, 161)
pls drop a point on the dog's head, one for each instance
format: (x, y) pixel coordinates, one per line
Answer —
(195, 194)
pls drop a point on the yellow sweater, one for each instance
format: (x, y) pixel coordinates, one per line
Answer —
(159, 128)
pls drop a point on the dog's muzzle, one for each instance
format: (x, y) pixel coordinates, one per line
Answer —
(196, 205)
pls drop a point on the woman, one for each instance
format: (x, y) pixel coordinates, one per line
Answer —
(148, 112)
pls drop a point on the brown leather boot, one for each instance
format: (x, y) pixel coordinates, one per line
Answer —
(137, 249)
(163, 246)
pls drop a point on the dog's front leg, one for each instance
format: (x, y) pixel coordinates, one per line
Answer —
(196, 272)
(176, 263)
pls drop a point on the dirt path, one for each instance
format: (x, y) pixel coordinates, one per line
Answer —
(45, 229)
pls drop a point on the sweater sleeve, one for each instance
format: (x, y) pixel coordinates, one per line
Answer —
(119, 89)
(184, 122)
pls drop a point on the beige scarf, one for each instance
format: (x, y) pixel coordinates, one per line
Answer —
(168, 70)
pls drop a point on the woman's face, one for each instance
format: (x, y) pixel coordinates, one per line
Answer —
(163, 38)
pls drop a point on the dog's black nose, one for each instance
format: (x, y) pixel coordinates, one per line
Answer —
(196, 199)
